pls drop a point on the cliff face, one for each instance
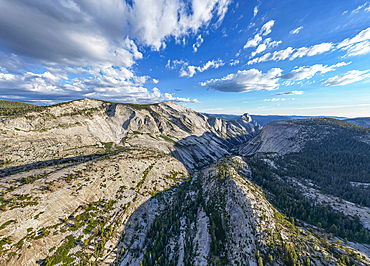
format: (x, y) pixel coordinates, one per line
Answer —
(89, 126)
(280, 137)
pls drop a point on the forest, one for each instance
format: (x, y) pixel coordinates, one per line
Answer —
(334, 161)
(289, 199)
(17, 108)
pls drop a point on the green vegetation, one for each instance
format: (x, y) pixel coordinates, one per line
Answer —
(18, 108)
(61, 254)
(333, 123)
(108, 146)
(167, 225)
(333, 162)
(167, 139)
(289, 198)
(18, 201)
(145, 174)
(6, 224)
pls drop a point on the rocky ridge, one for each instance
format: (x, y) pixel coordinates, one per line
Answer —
(90, 126)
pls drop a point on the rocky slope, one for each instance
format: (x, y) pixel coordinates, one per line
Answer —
(97, 183)
(89, 126)
(83, 205)
(290, 136)
(219, 217)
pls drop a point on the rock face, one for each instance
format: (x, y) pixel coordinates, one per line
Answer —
(90, 126)
(280, 137)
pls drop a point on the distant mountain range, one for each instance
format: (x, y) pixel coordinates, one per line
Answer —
(265, 119)
(360, 121)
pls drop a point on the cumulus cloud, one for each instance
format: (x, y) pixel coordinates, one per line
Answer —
(290, 93)
(152, 21)
(198, 43)
(109, 83)
(246, 80)
(68, 38)
(67, 83)
(347, 78)
(296, 31)
(266, 28)
(189, 71)
(308, 72)
(358, 45)
(253, 42)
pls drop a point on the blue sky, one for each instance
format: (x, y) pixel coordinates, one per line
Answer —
(261, 57)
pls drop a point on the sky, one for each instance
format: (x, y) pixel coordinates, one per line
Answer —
(214, 56)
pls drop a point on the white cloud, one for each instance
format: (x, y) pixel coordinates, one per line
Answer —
(198, 43)
(288, 83)
(293, 53)
(255, 11)
(367, 9)
(362, 36)
(296, 31)
(347, 78)
(234, 62)
(358, 45)
(245, 81)
(266, 28)
(6, 77)
(175, 64)
(253, 42)
(169, 97)
(282, 54)
(87, 38)
(290, 93)
(109, 83)
(313, 50)
(263, 58)
(273, 100)
(152, 21)
(358, 48)
(265, 45)
(189, 71)
(308, 72)
(359, 8)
